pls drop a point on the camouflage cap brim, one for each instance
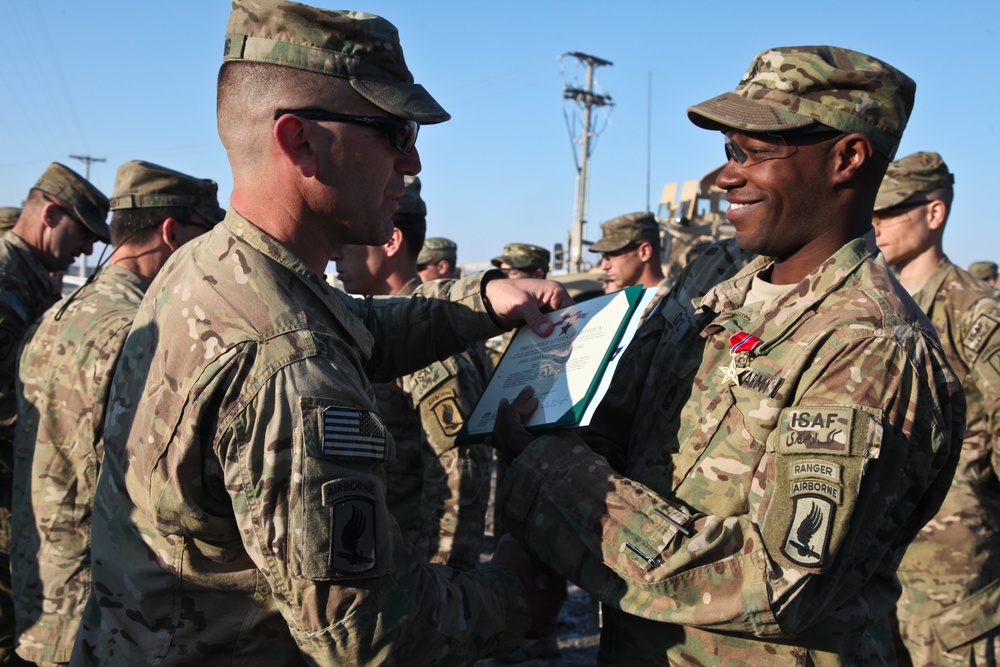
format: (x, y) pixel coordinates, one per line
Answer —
(410, 101)
(889, 198)
(730, 111)
(609, 245)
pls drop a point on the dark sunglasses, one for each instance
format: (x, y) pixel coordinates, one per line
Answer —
(400, 132)
(776, 146)
(621, 251)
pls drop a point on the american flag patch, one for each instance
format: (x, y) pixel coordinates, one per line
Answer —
(351, 433)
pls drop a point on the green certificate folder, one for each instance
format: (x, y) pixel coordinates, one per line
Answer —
(565, 369)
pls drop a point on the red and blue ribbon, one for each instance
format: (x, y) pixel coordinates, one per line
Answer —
(743, 342)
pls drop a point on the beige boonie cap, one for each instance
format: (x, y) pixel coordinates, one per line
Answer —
(792, 87)
(8, 218)
(437, 248)
(88, 204)
(362, 48)
(908, 176)
(140, 184)
(522, 256)
(625, 229)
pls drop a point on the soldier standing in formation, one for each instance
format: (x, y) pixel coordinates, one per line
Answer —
(64, 377)
(630, 250)
(766, 451)
(240, 512)
(523, 260)
(437, 492)
(985, 271)
(62, 217)
(948, 613)
(438, 259)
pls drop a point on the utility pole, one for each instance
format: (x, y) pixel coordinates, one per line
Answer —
(588, 100)
(86, 159)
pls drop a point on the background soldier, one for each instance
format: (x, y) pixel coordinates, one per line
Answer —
(765, 451)
(438, 259)
(67, 363)
(61, 218)
(523, 260)
(436, 491)
(952, 569)
(630, 250)
(985, 271)
(240, 514)
(8, 218)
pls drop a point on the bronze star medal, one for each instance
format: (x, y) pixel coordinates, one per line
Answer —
(740, 346)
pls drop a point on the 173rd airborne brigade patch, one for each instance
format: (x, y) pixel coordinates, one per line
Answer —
(352, 434)
(814, 482)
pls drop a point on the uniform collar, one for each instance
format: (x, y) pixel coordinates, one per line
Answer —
(334, 300)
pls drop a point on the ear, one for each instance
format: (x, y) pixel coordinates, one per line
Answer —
(50, 215)
(937, 213)
(294, 139)
(645, 251)
(168, 234)
(395, 243)
(851, 154)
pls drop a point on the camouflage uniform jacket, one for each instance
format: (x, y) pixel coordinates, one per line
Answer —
(64, 378)
(761, 522)
(951, 572)
(240, 513)
(437, 492)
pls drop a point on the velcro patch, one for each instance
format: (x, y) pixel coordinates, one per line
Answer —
(809, 532)
(353, 434)
(815, 468)
(352, 533)
(761, 382)
(803, 487)
(424, 380)
(980, 332)
(446, 410)
(816, 430)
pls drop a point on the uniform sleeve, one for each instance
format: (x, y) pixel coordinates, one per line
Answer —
(303, 466)
(440, 320)
(980, 349)
(456, 484)
(839, 484)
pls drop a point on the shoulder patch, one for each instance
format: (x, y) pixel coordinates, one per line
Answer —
(352, 434)
(816, 430)
(809, 531)
(352, 534)
(446, 410)
(980, 333)
(426, 379)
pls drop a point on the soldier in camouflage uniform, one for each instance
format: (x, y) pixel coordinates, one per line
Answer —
(240, 513)
(8, 218)
(767, 450)
(630, 254)
(523, 260)
(64, 377)
(61, 218)
(436, 491)
(985, 271)
(949, 613)
(438, 259)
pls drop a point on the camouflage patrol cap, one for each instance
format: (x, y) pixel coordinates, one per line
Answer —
(89, 204)
(140, 184)
(362, 48)
(625, 229)
(793, 87)
(910, 175)
(522, 256)
(8, 218)
(436, 248)
(411, 203)
(983, 270)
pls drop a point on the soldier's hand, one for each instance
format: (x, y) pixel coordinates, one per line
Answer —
(509, 436)
(546, 590)
(523, 300)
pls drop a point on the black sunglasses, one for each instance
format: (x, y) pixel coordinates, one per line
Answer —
(88, 234)
(400, 132)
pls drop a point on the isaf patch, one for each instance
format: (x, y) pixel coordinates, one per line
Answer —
(353, 434)
(809, 532)
(814, 430)
(980, 332)
(426, 379)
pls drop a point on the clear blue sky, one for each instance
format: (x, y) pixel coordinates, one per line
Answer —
(131, 79)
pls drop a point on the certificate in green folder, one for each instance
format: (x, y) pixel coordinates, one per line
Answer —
(569, 370)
